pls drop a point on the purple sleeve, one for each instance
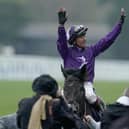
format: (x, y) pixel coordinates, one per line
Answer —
(107, 41)
(62, 42)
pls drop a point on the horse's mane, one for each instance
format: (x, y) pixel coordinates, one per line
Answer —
(73, 72)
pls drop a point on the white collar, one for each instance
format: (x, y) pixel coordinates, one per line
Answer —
(124, 100)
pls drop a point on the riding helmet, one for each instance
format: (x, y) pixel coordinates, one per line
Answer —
(75, 32)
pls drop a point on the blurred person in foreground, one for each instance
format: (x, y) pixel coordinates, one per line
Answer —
(46, 109)
(116, 116)
(79, 53)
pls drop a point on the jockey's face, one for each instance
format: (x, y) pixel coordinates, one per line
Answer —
(81, 41)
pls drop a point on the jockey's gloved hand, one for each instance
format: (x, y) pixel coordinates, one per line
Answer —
(123, 15)
(62, 16)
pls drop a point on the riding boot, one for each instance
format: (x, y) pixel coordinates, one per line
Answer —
(99, 105)
(96, 105)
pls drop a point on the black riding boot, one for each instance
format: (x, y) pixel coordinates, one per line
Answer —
(99, 105)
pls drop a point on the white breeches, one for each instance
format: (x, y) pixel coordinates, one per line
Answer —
(89, 92)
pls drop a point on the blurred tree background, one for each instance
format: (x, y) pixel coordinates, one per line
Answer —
(12, 18)
(19, 20)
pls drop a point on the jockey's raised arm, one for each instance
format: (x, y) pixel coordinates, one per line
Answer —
(62, 42)
(109, 39)
(62, 37)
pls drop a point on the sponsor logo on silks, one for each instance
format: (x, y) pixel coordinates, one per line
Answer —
(83, 61)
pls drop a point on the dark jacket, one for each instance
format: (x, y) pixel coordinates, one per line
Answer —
(62, 115)
(112, 114)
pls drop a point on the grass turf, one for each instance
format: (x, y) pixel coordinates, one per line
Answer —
(12, 91)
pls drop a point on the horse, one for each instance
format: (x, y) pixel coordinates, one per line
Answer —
(121, 113)
(75, 94)
(8, 121)
(122, 123)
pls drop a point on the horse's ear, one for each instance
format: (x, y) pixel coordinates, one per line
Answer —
(126, 92)
(83, 72)
(63, 71)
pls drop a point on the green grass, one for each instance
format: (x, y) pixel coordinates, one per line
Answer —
(12, 91)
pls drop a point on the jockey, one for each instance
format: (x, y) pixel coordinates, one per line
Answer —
(79, 53)
(114, 112)
(46, 110)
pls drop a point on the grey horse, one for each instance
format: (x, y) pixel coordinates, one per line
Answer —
(8, 121)
(75, 94)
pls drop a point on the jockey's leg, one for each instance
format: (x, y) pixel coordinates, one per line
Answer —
(89, 92)
(90, 95)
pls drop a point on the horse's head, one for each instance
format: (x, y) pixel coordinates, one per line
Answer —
(73, 86)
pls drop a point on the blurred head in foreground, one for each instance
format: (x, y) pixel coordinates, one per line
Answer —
(45, 85)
